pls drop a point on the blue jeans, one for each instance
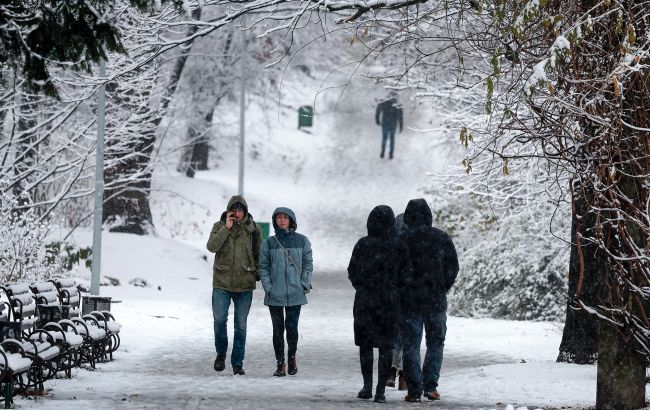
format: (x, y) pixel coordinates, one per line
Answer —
(387, 133)
(435, 325)
(220, 304)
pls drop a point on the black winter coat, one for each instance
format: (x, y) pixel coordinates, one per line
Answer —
(435, 263)
(378, 261)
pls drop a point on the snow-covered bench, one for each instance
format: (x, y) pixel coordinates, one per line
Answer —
(14, 362)
(70, 296)
(40, 345)
(55, 317)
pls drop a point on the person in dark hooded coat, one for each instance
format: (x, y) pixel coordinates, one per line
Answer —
(423, 295)
(378, 262)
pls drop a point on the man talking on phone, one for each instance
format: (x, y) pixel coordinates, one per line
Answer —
(235, 240)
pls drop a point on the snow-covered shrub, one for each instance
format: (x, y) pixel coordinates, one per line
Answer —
(512, 264)
(26, 252)
(510, 272)
(22, 238)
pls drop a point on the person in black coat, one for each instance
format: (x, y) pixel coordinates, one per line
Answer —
(378, 262)
(423, 295)
(389, 114)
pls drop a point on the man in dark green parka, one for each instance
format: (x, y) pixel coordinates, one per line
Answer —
(235, 239)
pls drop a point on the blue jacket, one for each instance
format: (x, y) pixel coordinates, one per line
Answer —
(284, 283)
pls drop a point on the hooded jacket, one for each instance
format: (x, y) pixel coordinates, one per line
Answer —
(236, 266)
(434, 259)
(285, 281)
(378, 262)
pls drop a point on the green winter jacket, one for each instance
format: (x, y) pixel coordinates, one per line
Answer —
(236, 260)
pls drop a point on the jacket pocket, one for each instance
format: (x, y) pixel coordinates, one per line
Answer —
(220, 266)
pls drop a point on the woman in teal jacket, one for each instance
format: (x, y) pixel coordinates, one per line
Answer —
(285, 270)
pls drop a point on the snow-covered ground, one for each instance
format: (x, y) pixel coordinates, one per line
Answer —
(331, 177)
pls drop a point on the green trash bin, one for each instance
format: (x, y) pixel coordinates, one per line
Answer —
(305, 116)
(266, 229)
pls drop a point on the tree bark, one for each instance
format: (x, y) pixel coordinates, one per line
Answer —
(621, 381)
(580, 337)
(621, 372)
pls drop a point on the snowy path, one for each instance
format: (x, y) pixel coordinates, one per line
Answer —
(172, 371)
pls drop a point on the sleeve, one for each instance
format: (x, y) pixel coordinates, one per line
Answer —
(377, 113)
(258, 243)
(450, 262)
(218, 236)
(355, 270)
(307, 265)
(401, 119)
(265, 266)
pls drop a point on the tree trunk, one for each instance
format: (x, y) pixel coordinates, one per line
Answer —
(621, 372)
(196, 154)
(126, 206)
(580, 338)
(621, 381)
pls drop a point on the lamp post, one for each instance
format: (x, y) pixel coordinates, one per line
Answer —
(99, 183)
(242, 109)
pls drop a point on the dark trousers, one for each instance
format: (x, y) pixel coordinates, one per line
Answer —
(280, 323)
(388, 133)
(366, 357)
(425, 378)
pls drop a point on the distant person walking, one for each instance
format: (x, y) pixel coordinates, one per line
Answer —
(378, 262)
(388, 115)
(424, 298)
(235, 239)
(285, 268)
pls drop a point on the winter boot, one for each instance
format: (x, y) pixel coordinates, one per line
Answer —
(392, 374)
(220, 362)
(412, 398)
(365, 393)
(293, 366)
(238, 370)
(281, 370)
(402, 381)
(432, 395)
(380, 393)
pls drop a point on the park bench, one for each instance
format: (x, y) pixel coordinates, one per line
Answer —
(55, 316)
(70, 296)
(15, 365)
(37, 344)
